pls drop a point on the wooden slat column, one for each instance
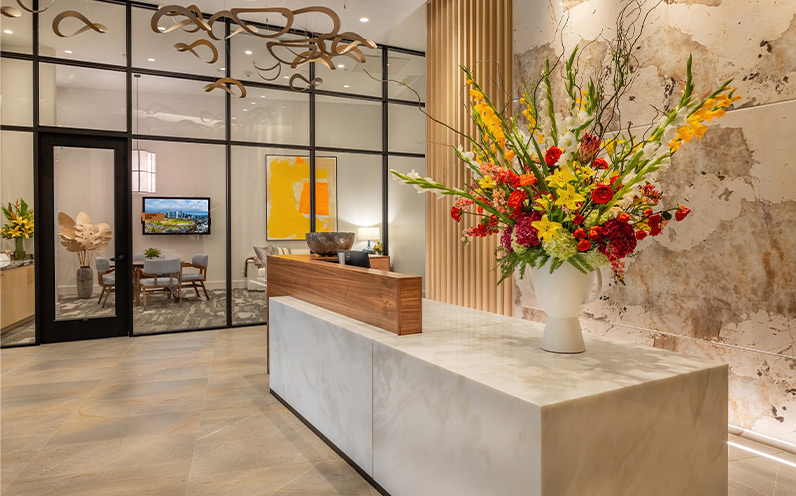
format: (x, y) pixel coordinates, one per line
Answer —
(476, 34)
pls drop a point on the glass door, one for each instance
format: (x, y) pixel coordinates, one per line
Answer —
(85, 287)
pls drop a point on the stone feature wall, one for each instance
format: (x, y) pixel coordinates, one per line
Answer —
(721, 284)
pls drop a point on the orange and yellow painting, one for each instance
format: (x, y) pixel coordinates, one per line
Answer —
(288, 196)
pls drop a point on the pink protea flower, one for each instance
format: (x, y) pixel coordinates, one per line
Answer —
(589, 146)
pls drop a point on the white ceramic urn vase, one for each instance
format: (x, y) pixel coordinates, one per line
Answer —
(563, 295)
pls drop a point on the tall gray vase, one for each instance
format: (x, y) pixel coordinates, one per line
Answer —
(85, 282)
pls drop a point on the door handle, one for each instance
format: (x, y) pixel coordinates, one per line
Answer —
(118, 258)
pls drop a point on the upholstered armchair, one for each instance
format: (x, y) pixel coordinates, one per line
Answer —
(106, 278)
(196, 279)
(161, 274)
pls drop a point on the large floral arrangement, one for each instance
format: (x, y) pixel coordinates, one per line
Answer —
(569, 188)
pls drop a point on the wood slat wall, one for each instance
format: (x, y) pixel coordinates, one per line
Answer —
(476, 34)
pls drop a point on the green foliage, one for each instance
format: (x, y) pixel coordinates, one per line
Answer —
(151, 253)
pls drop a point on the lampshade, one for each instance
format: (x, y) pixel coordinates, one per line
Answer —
(369, 234)
(143, 180)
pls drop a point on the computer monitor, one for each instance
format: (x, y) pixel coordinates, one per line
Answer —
(355, 258)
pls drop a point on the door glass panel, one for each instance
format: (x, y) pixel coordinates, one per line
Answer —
(84, 212)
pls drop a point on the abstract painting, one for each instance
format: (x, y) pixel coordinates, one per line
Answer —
(288, 196)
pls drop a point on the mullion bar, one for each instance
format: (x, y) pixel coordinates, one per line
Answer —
(37, 244)
(228, 138)
(312, 148)
(385, 159)
(128, 13)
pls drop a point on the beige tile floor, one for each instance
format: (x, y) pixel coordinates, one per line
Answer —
(190, 414)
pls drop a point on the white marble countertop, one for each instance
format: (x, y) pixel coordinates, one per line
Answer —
(503, 353)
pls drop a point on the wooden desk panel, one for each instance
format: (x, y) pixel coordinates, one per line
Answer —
(384, 299)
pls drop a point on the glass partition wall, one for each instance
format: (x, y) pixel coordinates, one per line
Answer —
(193, 145)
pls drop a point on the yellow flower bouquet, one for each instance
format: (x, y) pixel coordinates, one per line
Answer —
(19, 226)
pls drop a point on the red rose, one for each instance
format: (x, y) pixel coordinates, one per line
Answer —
(595, 233)
(579, 233)
(600, 163)
(584, 245)
(552, 156)
(456, 213)
(641, 235)
(623, 217)
(616, 187)
(578, 220)
(516, 198)
(602, 193)
(681, 213)
(647, 212)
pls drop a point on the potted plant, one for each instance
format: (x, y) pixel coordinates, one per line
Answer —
(19, 226)
(151, 253)
(83, 237)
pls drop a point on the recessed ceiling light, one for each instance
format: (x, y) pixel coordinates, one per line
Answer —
(248, 52)
(341, 66)
(262, 96)
(161, 28)
(363, 19)
(67, 51)
(8, 31)
(245, 110)
(254, 103)
(287, 77)
(346, 86)
(234, 118)
(223, 69)
(151, 59)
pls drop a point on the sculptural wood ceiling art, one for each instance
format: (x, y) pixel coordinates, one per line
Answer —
(321, 48)
(13, 12)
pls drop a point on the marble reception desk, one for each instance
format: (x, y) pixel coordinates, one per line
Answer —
(472, 406)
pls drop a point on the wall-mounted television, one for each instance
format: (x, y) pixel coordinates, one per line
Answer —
(161, 215)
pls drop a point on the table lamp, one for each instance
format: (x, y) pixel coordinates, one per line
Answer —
(369, 234)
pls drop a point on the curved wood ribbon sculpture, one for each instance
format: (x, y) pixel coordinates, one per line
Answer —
(99, 28)
(220, 84)
(33, 11)
(183, 47)
(10, 11)
(321, 48)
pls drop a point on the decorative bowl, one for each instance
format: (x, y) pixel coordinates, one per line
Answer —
(327, 243)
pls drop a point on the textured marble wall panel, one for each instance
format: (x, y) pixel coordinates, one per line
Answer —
(721, 284)
(751, 41)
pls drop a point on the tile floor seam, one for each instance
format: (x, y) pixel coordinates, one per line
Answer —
(294, 479)
(204, 401)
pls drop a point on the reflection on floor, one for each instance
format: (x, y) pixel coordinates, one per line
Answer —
(161, 313)
(190, 414)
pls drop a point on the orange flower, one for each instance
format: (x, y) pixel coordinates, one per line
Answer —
(527, 180)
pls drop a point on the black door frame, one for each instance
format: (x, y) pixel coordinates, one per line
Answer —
(50, 330)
